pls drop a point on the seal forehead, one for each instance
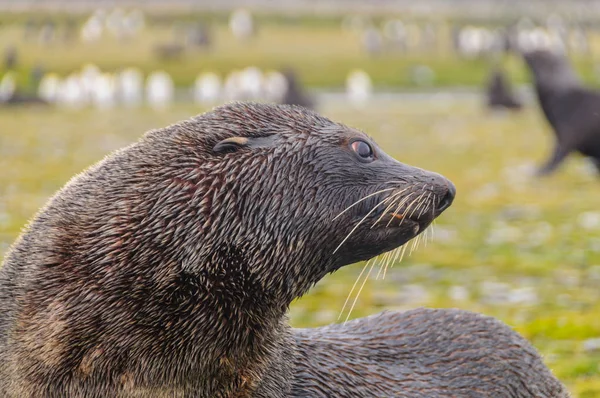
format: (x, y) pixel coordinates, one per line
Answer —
(341, 131)
(252, 119)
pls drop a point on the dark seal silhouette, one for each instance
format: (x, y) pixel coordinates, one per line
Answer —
(571, 109)
(19, 98)
(11, 57)
(499, 93)
(295, 93)
(166, 270)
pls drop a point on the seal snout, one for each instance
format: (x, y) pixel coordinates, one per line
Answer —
(447, 199)
(444, 190)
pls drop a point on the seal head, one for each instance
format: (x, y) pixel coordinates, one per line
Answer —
(168, 267)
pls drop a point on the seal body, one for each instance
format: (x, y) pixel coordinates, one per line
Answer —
(432, 353)
(499, 93)
(569, 107)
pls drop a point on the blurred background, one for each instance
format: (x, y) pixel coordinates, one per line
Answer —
(79, 79)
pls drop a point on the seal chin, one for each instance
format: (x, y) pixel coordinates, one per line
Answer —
(411, 228)
(387, 231)
(416, 229)
(386, 238)
(399, 232)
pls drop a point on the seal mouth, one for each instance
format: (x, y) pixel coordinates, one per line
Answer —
(396, 220)
(421, 210)
(410, 221)
(418, 213)
(399, 215)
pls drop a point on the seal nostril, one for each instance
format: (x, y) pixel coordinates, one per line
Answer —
(448, 198)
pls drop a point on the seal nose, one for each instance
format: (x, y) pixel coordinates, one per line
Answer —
(448, 197)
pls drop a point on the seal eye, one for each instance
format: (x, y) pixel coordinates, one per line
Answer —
(363, 150)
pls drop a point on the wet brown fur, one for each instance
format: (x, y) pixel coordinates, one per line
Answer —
(167, 269)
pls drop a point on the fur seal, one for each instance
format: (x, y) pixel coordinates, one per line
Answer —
(166, 270)
(18, 98)
(295, 93)
(570, 108)
(499, 93)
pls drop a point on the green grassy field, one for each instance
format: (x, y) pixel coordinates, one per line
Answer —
(322, 54)
(522, 249)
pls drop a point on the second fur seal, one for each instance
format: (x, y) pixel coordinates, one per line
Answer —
(570, 108)
(167, 269)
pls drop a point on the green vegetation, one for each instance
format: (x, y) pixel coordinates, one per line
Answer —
(538, 237)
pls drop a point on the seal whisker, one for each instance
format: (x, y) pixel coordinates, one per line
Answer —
(415, 244)
(388, 262)
(384, 212)
(402, 254)
(398, 251)
(426, 238)
(421, 203)
(360, 290)
(394, 254)
(408, 209)
(423, 239)
(360, 222)
(418, 205)
(354, 286)
(387, 208)
(427, 206)
(391, 252)
(395, 212)
(417, 240)
(383, 262)
(429, 230)
(362, 199)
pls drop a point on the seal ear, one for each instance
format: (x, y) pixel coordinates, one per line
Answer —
(233, 144)
(230, 144)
